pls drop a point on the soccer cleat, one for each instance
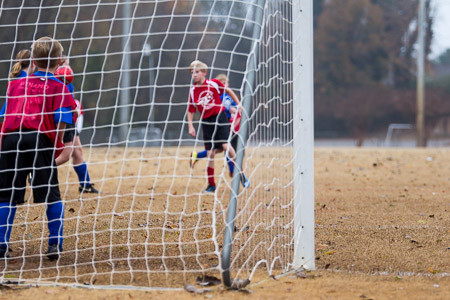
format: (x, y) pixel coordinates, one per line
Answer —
(193, 159)
(88, 189)
(210, 189)
(52, 252)
(245, 181)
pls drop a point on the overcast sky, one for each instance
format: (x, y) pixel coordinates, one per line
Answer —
(441, 40)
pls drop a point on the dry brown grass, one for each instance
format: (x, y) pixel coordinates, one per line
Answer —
(382, 227)
(383, 210)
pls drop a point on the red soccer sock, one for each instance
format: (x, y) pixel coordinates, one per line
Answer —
(210, 172)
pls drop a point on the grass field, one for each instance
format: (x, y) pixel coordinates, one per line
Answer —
(382, 228)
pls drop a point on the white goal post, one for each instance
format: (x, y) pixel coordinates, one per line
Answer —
(152, 225)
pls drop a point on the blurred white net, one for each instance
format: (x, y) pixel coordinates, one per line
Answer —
(152, 225)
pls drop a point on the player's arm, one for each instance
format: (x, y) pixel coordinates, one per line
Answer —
(62, 116)
(64, 109)
(60, 131)
(190, 117)
(234, 97)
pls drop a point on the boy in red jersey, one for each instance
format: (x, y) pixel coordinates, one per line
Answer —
(204, 96)
(234, 120)
(37, 109)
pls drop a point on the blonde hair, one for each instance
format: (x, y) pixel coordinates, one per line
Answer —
(198, 65)
(23, 62)
(222, 78)
(46, 52)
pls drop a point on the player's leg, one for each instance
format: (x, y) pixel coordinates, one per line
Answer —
(65, 154)
(46, 190)
(208, 128)
(68, 140)
(210, 172)
(232, 155)
(229, 150)
(195, 156)
(221, 133)
(244, 180)
(7, 214)
(55, 218)
(80, 167)
(13, 174)
(230, 163)
(221, 138)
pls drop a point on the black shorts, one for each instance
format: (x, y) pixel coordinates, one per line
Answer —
(216, 130)
(22, 153)
(69, 133)
(234, 141)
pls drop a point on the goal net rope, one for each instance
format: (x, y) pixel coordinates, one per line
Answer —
(152, 224)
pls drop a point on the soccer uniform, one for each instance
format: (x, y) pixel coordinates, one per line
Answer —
(73, 129)
(214, 104)
(69, 131)
(21, 75)
(214, 122)
(229, 103)
(35, 105)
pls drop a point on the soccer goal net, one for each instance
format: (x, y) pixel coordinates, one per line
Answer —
(136, 213)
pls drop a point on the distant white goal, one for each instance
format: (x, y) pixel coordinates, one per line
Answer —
(152, 225)
(391, 138)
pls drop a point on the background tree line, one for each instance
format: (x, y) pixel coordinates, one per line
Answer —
(364, 59)
(165, 37)
(365, 68)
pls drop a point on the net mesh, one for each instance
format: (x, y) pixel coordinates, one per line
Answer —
(152, 225)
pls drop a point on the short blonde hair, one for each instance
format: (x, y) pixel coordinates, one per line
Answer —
(198, 65)
(222, 78)
(46, 52)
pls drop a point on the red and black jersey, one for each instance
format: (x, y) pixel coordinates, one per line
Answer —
(206, 98)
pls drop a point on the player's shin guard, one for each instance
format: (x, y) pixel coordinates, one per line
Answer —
(55, 217)
(83, 174)
(7, 214)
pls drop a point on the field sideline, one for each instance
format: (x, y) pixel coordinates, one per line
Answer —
(382, 232)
